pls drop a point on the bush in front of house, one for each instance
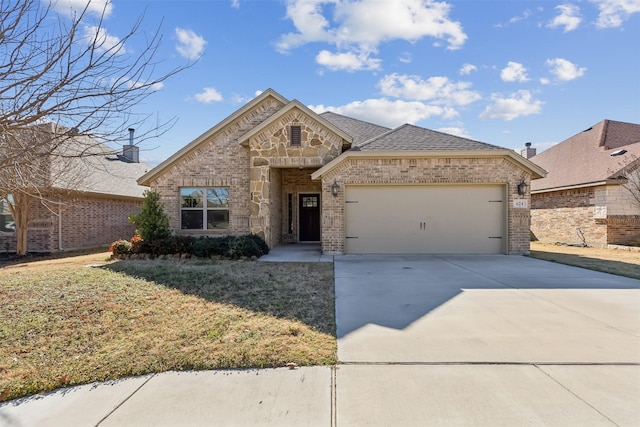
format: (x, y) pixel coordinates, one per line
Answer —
(152, 222)
(233, 247)
(120, 247)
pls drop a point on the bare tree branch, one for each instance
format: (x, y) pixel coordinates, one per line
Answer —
(62, 77)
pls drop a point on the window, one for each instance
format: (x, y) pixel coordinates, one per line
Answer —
(7, 224)
(204, 208)
(296, 136)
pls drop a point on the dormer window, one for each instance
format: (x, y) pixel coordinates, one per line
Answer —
(295, 139)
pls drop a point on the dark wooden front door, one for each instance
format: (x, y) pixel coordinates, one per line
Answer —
(309, 217)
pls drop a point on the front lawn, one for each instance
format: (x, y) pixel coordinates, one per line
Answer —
(70, 324)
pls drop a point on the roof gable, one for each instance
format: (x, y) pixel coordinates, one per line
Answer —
(291, 107)
(585, 158)
(193, 145)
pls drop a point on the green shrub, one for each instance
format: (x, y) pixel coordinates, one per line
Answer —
(152, 222)
(248, 245)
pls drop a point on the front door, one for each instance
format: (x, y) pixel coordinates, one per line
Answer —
(309, 217)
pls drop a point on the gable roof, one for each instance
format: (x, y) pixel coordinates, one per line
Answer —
(361, 131)
(293, 105)
(410, 137)
(585, 158)
(146, 178)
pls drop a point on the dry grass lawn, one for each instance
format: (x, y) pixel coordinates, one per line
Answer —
(63, 323)
(615, 261)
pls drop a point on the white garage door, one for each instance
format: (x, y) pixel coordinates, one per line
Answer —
(425, 219)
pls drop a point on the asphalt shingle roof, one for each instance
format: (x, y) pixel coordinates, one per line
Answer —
(100, 169)
(410, 137)
(360, 131)
(585, 158)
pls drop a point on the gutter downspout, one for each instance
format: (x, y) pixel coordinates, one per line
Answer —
(60, 225)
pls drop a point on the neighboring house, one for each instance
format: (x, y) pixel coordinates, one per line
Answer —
(582, 199)
(93, 191)
(277, 169)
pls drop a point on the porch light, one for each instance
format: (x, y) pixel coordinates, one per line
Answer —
(335, 187)
(522, 188)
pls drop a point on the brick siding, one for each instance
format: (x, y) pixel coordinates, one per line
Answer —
(87, 222)
(219, 161)
(582, 215)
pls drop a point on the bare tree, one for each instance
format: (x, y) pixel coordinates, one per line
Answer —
(629, 177)
(60, 77)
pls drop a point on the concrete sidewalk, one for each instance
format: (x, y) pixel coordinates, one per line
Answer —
(478, 341)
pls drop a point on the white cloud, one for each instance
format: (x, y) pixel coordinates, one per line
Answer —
(569, 17)
(99, 37)
(361, 26)
(514, 72)
(74, 7)
(406, 58)
(518, 104)
(388, 113)
(235, 4)
(437, 90)
(461, 132)
(614, 12)
(467, 69)
(348, 61)
(565, 70)
(208, 95)
(190, 45)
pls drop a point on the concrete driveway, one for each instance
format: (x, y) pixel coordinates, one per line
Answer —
(485, 340)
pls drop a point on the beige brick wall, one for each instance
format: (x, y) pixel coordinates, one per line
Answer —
(584, 215)
(219, 161)
(358, 170)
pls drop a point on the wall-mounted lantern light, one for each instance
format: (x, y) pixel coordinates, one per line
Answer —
(522, 188)
(335, 188)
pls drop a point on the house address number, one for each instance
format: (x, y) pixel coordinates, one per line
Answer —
(520, 204)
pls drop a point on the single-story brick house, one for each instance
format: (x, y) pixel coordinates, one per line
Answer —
(277, 169)
(87, 208)
(582, 199)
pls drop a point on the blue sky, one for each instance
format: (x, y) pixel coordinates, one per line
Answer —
(501, 72)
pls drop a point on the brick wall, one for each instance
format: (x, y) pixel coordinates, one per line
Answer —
(87, 222)
(584, 215)
(357, 170)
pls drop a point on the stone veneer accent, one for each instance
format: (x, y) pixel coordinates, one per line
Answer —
(270, 152)
(569, 216)
(361, 170)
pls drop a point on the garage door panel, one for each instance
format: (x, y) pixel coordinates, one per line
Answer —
(425, 219)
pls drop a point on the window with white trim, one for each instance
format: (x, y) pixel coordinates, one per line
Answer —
(204, 208)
